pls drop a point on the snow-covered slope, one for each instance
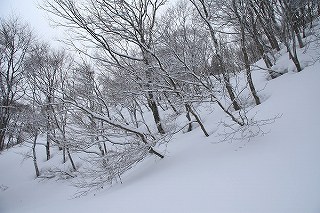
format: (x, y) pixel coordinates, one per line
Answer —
(276, 173)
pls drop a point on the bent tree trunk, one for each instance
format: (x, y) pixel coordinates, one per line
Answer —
(189, 109)
(152, 151)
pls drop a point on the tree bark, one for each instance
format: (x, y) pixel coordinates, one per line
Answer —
(198, 120)
(4, 121)
(48, 146)
(300, 42)
(71, 160)
(189, 119)
(155, 112)
(232, 96)
(151, 101)
(35, 155)
(2, 138)
(295, 20)
(152, 151)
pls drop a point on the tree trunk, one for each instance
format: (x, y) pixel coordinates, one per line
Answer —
(105, 147)
(135, 119)
(64, 159)
(71, 160)
(206, 17)
(257, 38)
(35, 155)
(152, 151)
(100, 148)
(2, 139)
(155, 112)
(241, 123)
(232, 96)
(272, 39)
(310, 17)
(294, 54)
(225, 74)
(245, 54)
(4, 119)
(189, 108)
(151, 101)
(48, 146)
(49, 111)
(266, 26)
(189, 119)
(300, 42)
(252, 88)
(295, 61)
(171, 105)
(248, 75)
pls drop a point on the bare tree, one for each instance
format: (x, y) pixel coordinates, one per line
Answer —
(266, 17)
(43, 69)
(205, 12)
(116, 29)
(289, 29)
(15, 40)
(188, 55)
(33, 126)
(239, 10)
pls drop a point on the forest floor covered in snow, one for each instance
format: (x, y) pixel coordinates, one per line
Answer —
(278, 172)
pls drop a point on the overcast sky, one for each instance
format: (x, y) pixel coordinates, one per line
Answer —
(28, 10)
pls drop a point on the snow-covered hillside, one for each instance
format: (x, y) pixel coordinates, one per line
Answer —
(275, 173)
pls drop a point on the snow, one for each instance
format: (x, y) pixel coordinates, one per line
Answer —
(278, 172)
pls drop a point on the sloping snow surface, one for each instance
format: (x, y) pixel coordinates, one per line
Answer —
(275, 173)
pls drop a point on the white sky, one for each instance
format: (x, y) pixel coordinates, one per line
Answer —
(28, 10)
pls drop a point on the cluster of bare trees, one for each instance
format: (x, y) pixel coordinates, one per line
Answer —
(135, 60)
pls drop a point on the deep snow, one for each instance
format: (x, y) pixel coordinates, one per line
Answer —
(275, 173)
